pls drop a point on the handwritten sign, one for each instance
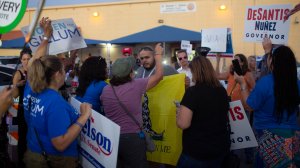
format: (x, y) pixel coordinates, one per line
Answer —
(229, 48)
(267, 21)
(99, 140)
(65, 37)
(186, 45)
(242, 135)
(215, 39)
(11, 13)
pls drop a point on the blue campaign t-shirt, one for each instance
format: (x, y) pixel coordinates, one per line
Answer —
(262, 101)
(92, 95)
(51, 116)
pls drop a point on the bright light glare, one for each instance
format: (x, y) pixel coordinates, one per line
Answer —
(222, 7)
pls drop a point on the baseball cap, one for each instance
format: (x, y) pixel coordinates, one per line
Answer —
(123, 66)
(127, 50)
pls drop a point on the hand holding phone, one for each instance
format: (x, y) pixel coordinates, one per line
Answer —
(236, 67)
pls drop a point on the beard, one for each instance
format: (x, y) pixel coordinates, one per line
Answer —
(150, 67)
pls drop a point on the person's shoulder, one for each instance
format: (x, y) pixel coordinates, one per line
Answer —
(100, 83)
(139, 72)
(169, 70)
(266, 78)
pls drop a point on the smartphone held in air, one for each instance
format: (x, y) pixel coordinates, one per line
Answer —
(236, 67)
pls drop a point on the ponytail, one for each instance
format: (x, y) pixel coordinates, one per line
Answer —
(41, 71)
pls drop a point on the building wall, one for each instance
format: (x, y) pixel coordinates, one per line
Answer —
(123, 18)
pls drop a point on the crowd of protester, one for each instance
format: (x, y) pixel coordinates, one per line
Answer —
(49, 126)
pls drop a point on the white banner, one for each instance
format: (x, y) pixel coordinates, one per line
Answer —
(99, 140)
(242, 135)
(65, 37)
(215, 39)
(267, 21)
(178, 7)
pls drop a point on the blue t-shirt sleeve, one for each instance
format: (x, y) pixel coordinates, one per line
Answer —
(258, 95)
(59, 119)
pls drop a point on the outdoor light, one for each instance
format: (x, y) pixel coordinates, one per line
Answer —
(108, 45)
(95, 14)
(222, 7)
(165, 62)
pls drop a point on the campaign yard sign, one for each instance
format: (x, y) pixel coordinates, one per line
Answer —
(99, 140)
(215, 39)
(242, 135)
(267, 21)
(66, 37)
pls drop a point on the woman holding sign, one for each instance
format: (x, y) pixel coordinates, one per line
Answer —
(53, 124)
(275, 101)
(203, 118)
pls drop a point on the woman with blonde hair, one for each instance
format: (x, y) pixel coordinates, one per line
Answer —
(53, 124)
(203, 117)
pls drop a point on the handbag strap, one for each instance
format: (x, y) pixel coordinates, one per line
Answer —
(125, 109)
(42, 148)
(44, 154)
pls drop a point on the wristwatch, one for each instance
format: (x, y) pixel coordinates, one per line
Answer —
(45, 38)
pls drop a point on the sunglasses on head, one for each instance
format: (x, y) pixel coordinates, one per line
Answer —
(182, 58)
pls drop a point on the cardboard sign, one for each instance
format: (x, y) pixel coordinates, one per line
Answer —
(215, 39)
(99, 140)
(229, 48)
(11, 13)
(267, 21)
(242, 135)
(65, 37)
(186, 45)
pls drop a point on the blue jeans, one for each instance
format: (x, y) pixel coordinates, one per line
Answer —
(186, 161)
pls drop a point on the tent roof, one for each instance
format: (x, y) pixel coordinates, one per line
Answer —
(19, 42)
(160, 34)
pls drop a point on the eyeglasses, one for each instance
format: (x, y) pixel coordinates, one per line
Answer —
(180, 58)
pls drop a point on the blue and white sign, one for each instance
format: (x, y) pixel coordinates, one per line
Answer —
(66, 37)
(99, 140)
